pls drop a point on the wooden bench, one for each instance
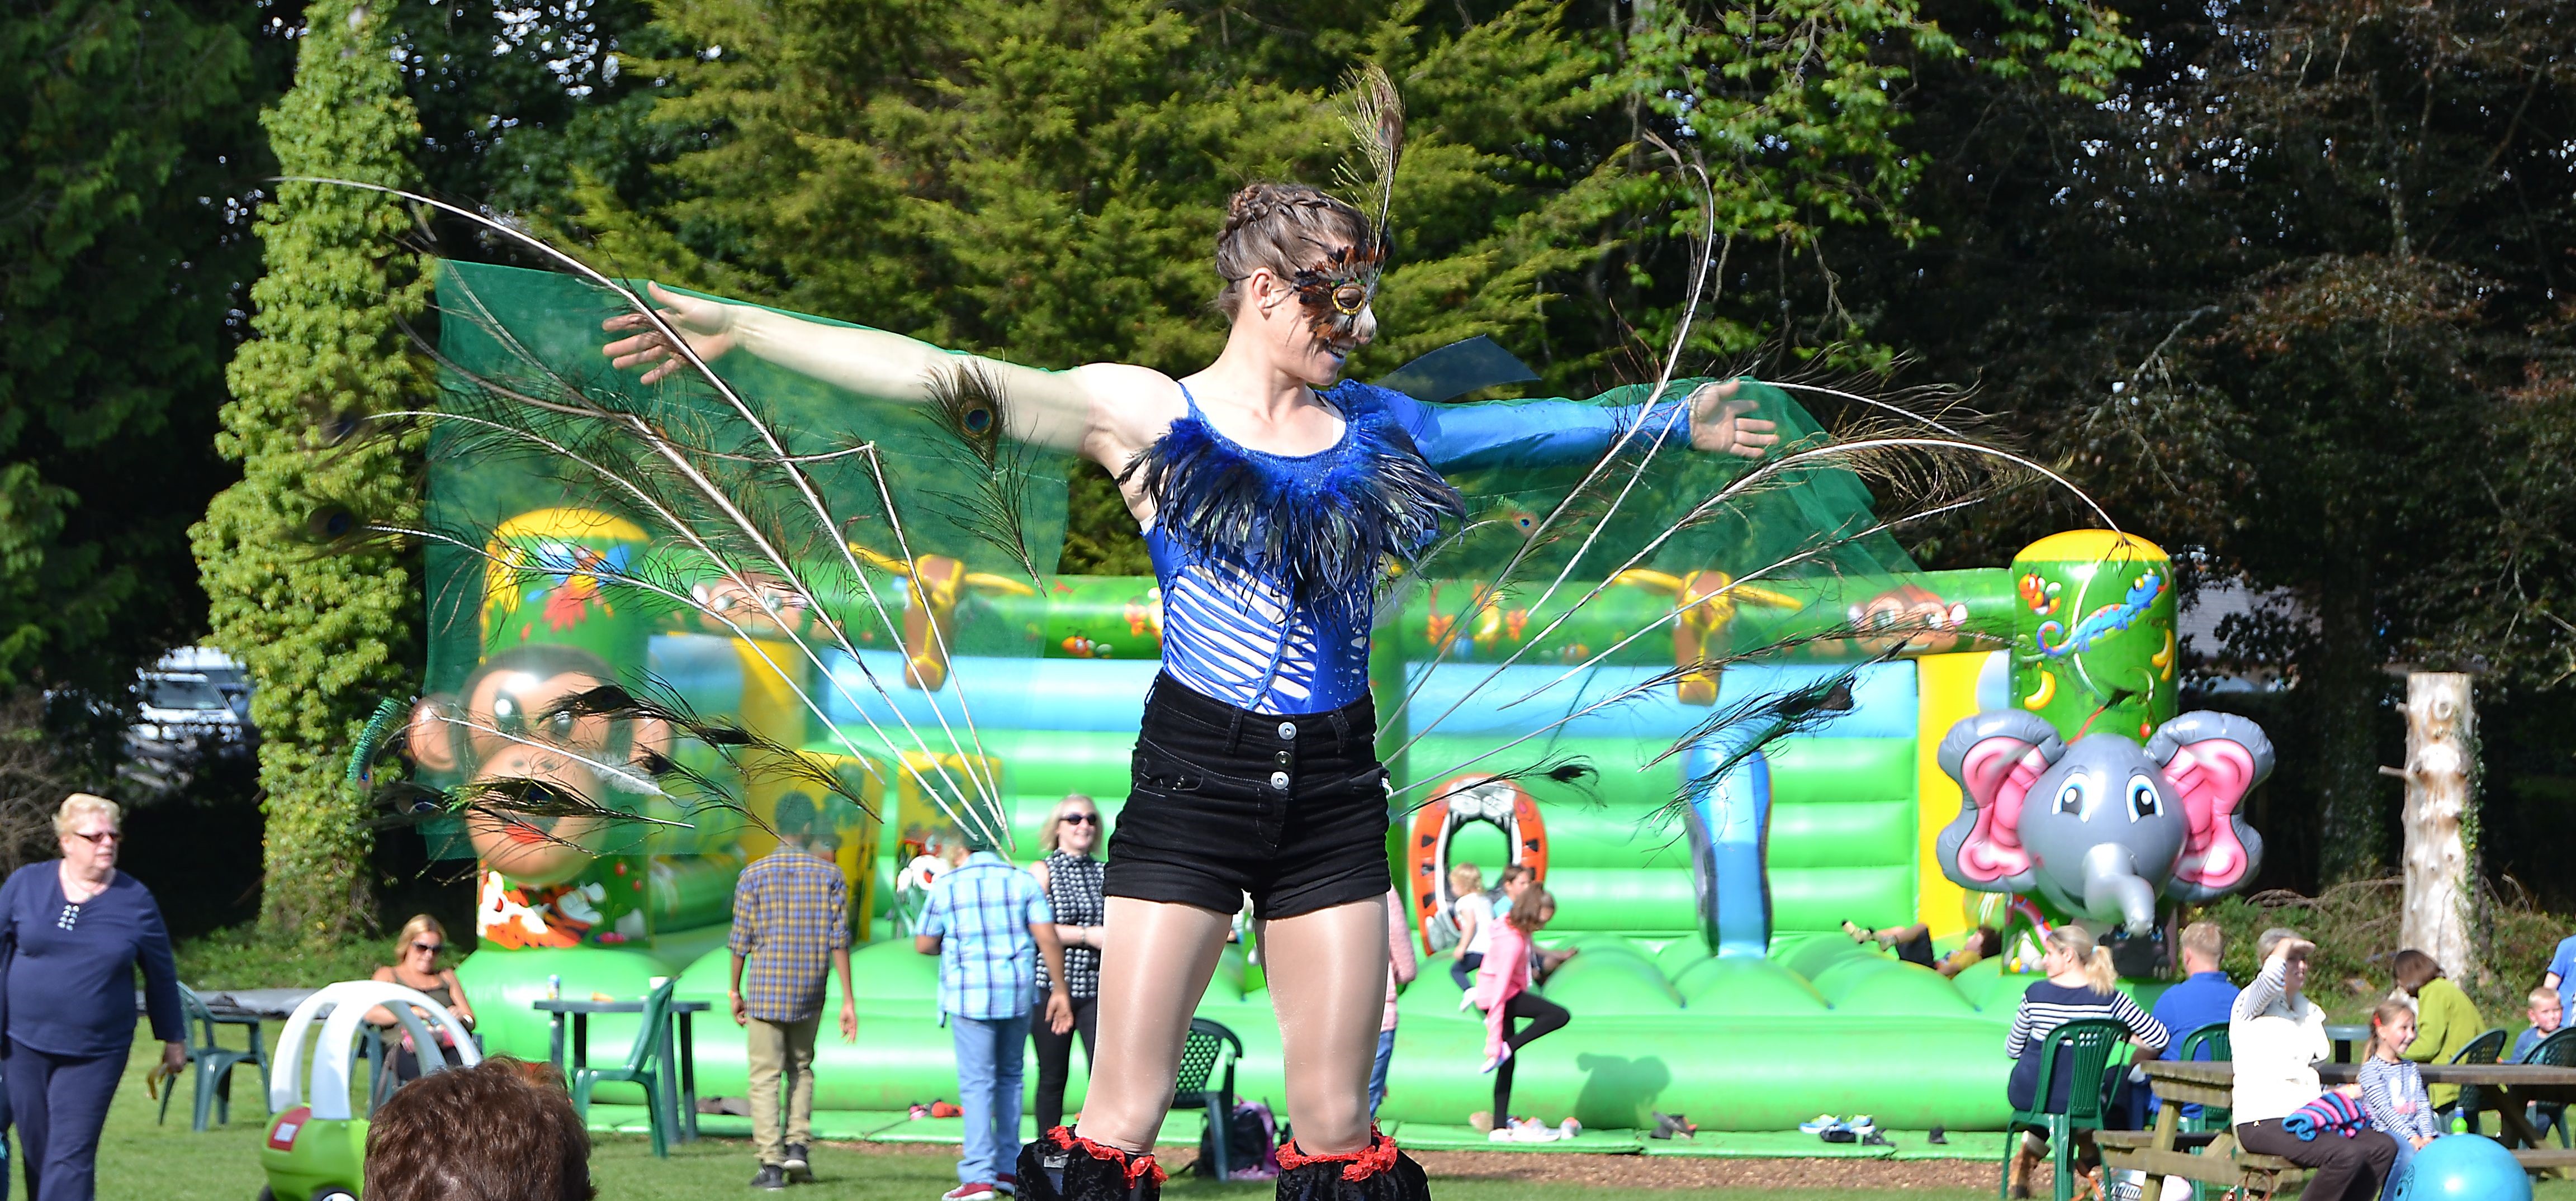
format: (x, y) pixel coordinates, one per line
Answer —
(2217, 1159)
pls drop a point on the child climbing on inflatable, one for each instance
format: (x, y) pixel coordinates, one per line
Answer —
(1913, 944)
(1502, 991)
(2392, 1090)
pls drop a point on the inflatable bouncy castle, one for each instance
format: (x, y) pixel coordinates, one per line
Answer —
(1705, 855)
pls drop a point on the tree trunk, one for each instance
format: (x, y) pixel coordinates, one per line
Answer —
(2352, 842)
(2440, 769)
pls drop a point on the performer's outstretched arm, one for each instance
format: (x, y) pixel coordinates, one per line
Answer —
(1544, 432)
(1048, 408)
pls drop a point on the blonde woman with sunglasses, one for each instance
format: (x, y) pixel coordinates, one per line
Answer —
(416, 967)
(1072, 875)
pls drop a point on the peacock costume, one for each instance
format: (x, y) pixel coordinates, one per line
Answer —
(668, 619)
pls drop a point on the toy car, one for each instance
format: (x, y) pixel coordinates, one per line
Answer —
(317, 1149)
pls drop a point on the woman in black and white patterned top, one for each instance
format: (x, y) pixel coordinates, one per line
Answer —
(1071, 878)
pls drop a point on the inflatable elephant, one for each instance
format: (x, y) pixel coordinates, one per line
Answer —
(2100, 826)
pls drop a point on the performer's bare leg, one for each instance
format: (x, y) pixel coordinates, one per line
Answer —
(1155, 962)
(1327, 973)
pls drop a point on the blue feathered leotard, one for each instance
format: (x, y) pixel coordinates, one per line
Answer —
(1269, 563)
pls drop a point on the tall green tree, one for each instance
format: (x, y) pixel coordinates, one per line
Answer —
(2290, 300)
(324, 635)
(127, 138)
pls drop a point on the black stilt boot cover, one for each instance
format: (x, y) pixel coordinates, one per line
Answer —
(1060, 1166)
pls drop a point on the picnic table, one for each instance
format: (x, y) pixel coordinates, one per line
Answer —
(2213, 1157)
(679, 1089)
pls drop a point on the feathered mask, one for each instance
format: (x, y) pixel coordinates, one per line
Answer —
(1337, 290)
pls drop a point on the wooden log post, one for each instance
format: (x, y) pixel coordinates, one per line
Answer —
(2440, 772)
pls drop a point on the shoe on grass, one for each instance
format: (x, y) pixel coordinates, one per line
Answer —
(1823, 1123)
(972, 1190)
(1006, 1184)
(1862, 1124)
(797, 1165)
(770, 1175)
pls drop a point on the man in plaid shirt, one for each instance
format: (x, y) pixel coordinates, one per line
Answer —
(791, 923)
(982, 918)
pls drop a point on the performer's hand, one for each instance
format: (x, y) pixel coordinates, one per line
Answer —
(174, 1059)
(741, 1011)
(706, 324)
(1059, 1011)
(1718, 423)
(849, 1020)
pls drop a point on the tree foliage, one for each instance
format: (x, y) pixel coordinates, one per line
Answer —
(324, 635)
(2289, 300)
(127, 136)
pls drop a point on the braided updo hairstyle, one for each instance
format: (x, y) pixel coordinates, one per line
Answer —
(1281, 226)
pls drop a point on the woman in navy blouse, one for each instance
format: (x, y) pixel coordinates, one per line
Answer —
(71, 933)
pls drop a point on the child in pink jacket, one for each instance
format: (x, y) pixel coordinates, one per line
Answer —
(1502, 991)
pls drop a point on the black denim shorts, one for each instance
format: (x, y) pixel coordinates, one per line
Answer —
(1288, 808)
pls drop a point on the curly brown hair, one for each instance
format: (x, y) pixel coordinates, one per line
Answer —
(502, 1130)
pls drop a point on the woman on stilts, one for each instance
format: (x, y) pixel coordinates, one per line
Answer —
(1270, 496)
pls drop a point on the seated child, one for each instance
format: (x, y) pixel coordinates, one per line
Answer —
(1913, 944)
(2392, 1090)
(2545, 1014)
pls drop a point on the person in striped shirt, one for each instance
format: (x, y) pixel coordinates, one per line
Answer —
(2392, 1090)
(2081, 984)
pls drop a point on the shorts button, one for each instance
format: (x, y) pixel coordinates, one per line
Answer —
(1279, 779)
(1288, 731)
(1286, 759)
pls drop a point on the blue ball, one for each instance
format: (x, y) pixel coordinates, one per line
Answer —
(2464, 1167)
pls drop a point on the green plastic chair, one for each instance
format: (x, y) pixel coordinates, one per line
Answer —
(2557, 1051)
(2084, 1047)
(1210, 1045)
(2212, 1038)
(646, 1062)
(214, 1061)
(2485, 1048)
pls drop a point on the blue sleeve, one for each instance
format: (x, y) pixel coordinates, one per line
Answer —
(2562, 964)
(1039, 909)
(160, 972)
(934, 910)
(1531, 433)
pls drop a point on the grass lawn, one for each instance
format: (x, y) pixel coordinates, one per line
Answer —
(141, 1160)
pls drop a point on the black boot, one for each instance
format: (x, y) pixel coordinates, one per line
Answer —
(1378, 1173)
(1060, 1166)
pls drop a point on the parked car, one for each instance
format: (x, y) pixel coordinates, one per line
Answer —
(194, 701)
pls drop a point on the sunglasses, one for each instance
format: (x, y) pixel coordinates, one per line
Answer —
(101, 838)
(1080, 819)
(431, 947)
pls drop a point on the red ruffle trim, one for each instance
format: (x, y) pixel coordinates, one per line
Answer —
(1358, 1165)
(1135, 1165)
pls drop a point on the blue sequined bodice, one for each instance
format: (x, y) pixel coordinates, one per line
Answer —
(1269, 564)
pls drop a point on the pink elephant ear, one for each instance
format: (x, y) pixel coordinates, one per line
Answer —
(1996, 758)
(2213, 760)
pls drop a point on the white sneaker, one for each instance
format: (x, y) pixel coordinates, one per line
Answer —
(1823, 1123)
(1863, 1125)
(1531, 1130)
(1498, 1135)
(975, 1191)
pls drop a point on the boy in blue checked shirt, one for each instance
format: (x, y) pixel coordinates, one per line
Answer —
(982, 918)
(791, 918)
